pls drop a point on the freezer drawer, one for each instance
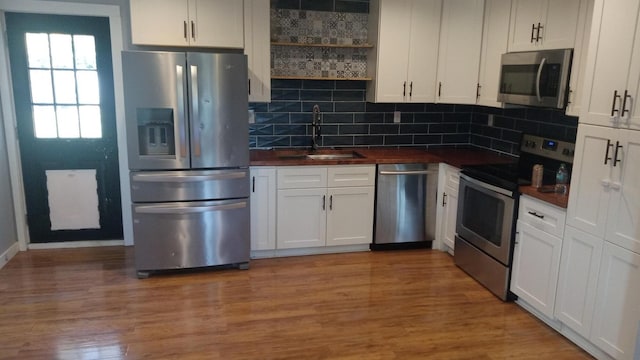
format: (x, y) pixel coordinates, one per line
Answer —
(161, 186)
(191, 234)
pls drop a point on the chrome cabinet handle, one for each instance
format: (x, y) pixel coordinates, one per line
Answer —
(536, 214)
(444, 199)
(606, 155)
(533, 28)
(613, 105)
(185, 30)
(478, 86)
(624, 103)
(538, 37)
(193, 30)
(331, 202)
(615, 155)
(324, 202)
(439, 88)
(404, 89)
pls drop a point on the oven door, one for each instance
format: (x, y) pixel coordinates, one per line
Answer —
(486, 217)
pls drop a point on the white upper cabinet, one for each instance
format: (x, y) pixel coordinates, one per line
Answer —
(459, 51)
(613, 66)
(495, 36)
(202, 23)
(257, 47)
(578, 63)
(543, 24)
(404, 61)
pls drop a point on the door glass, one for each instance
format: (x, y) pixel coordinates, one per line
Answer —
(65, 88)
(483, 214)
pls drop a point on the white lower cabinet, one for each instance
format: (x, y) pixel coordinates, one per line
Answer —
(448, 183)
(617, 309)
(579, 266)
(263, 208)
(536, 258)
(324, 206)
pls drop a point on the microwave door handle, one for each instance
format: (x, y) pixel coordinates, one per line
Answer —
(544, 60)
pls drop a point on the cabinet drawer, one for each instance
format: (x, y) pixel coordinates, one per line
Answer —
(302, 177)
(541, 215)
(339, 176)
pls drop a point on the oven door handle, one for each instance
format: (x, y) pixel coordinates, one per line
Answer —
(539, 75)
(487, 186)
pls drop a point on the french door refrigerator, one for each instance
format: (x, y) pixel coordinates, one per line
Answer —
(188, 152)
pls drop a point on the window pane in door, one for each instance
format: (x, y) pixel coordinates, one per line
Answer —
(90, 122)
(41, 88)
(38, 50)
(88, 88)
(85, 48)
(65, 85)
(68, 126)
(44, 122)
(61, 51)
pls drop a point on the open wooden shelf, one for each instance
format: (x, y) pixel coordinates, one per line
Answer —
(346, 46)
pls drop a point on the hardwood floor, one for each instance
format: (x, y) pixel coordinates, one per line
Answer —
(414, 304)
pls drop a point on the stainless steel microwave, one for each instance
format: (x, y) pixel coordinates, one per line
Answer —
(535, 78)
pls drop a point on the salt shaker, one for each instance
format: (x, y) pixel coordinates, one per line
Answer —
(536, 176)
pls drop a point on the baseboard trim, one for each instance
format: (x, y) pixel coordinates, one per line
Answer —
(9, 254)
(262, 254)
(75, 244)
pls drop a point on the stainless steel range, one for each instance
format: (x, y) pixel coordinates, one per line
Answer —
(488, 207)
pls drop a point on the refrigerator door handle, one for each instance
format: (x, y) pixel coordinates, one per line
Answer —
(196, 124)
(187, 178)
(179, 210)
(182, 121)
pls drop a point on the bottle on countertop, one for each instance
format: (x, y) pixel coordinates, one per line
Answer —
(536, 176)
(562, 179)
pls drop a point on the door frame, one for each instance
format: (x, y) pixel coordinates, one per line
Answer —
(9, 116)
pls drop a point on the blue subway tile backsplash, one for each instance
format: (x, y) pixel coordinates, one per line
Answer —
(348, 120)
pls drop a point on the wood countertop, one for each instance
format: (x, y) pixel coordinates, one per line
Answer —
(454, 157)
(560, 200)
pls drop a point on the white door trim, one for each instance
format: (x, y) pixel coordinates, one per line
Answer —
(8, 107)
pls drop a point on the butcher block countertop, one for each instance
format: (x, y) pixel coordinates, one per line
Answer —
(560, 200)
(454, 157)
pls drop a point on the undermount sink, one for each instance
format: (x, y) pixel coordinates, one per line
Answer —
(322, 155)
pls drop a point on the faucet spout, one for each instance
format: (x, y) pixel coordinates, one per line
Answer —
(315, 127)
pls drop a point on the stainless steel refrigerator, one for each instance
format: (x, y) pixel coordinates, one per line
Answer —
(188, 151)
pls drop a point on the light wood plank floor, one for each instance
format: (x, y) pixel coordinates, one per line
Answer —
(414, 304)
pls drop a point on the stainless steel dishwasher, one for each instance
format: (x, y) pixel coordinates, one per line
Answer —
(405, 206)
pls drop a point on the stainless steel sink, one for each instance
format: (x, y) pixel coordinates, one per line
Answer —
(352, 155)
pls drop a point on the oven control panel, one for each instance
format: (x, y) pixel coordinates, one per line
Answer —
(551, 148)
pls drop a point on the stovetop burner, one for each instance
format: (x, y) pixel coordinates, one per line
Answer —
(533, 150)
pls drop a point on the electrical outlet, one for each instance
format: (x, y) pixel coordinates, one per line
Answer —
(490, 120)
(396, 116)
(252, 116)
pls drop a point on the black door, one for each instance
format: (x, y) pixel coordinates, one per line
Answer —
(63, 88)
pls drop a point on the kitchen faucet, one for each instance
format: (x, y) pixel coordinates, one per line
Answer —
(315, 127)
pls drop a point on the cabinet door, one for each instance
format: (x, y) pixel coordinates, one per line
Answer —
(217, 23)
(617, 305)
(591, 179)
(580, 262)
(525, 15)
(559, 24)
(389, 24)
(495, 36)
(623, 218)
(459, 51)
(536, 263)
(159, 22)
(350, 215)
(608, 62)
(301, 219)
(257, 48)
(450, 203)
(263, 208)
(631, 119)
(578, 62)
(423, 59)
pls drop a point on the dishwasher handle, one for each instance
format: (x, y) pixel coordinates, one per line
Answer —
(408, 172)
